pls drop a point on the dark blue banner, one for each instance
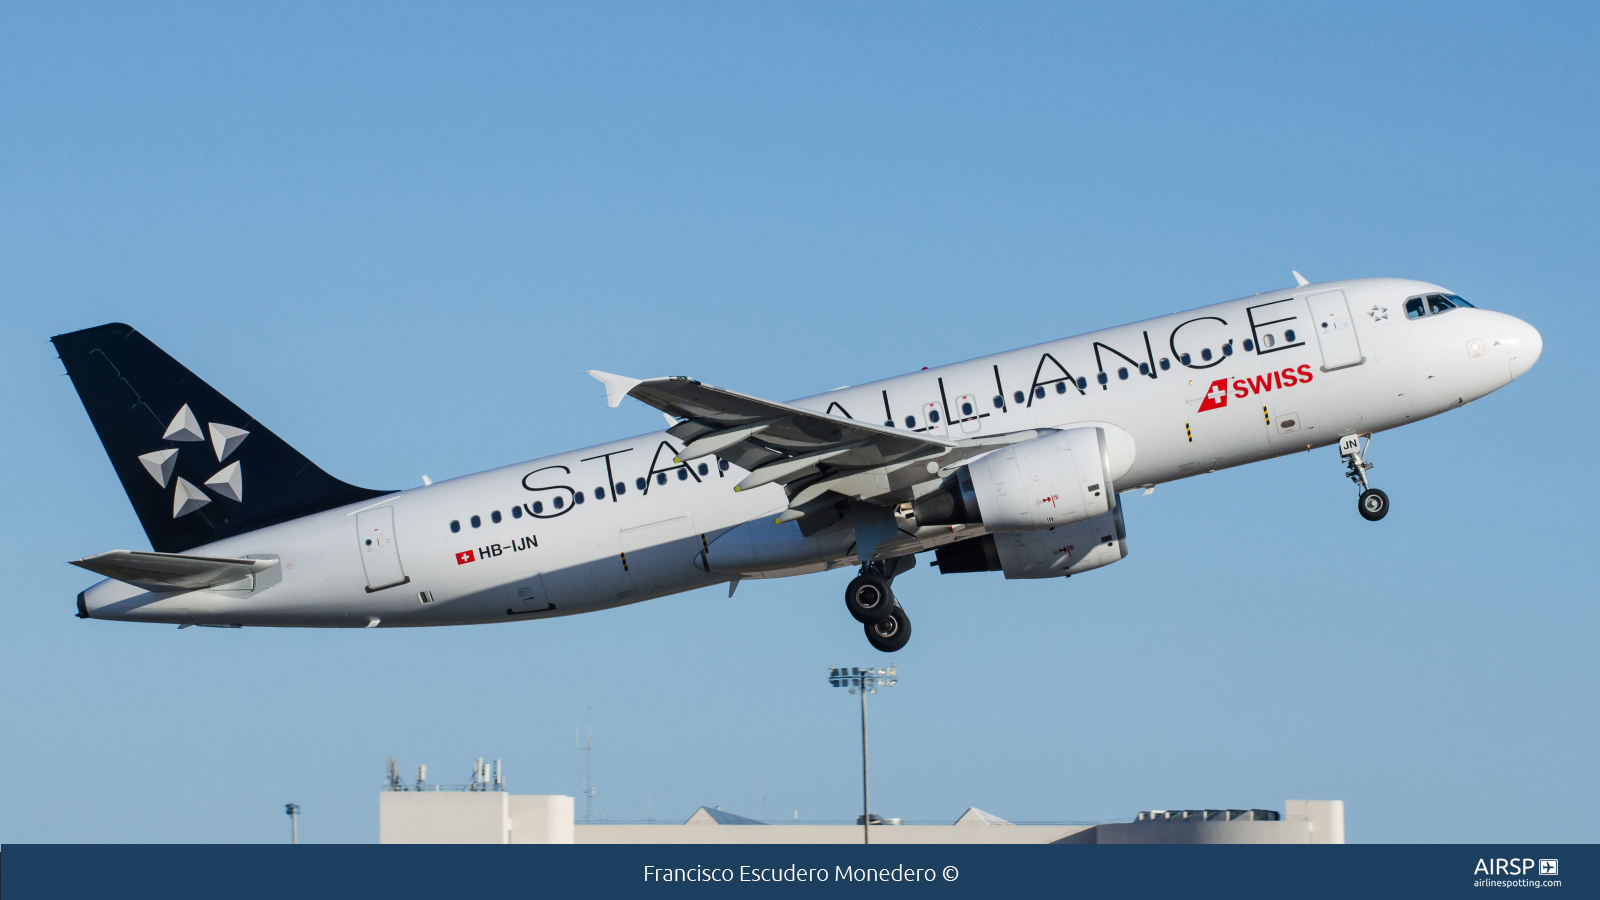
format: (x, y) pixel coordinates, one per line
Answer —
(178, 872)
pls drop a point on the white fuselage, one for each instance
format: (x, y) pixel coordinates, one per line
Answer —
(624, 543)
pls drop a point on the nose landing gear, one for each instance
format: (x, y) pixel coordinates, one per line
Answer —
(872, 603)
(1373, 504)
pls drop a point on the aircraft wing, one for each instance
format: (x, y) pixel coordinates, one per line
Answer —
(172, 571)
(808, 452)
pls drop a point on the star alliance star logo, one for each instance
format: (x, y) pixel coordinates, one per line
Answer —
(1378, 313)
(229, 480)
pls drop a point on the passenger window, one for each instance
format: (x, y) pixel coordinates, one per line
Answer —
(1249, 345)
(1018, 397)
(966, 409)
(1061, 387)
(455, 525)
(558, 502)
(706, 470)
(495, 517)
(620, 489)
(1165, 365)
(1205, 354)
(722, 465)
(1102, 379)
(516, 511)
(476, 521)
(537, 507)
(661, 478)
(999, 402)
(1122, 373)
(933, 415)
(639, 483)
(1039, 392)
(1183, 358)
(577, 497)
(1267, 340)
(911, 421)
(1144, 368)
(599, 493)
(1227, 349)
(1083, 383)
(683, 474)
(1289, 335)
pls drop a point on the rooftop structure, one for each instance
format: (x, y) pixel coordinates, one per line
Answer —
(498, 817)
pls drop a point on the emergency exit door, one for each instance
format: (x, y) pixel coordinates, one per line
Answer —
(1336, 331)
(380, 555)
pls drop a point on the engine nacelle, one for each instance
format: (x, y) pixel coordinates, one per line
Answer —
(1052, 552)
(1043, 483)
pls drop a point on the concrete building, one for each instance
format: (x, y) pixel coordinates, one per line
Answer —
(473, 817)
(497, 817)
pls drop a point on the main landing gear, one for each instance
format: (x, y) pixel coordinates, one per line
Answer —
(871, 602)
(1373, 503)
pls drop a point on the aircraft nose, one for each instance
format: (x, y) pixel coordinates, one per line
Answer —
(1523, 345)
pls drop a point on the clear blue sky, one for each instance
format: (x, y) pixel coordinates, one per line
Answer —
(398, 235)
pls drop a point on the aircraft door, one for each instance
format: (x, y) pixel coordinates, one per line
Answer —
(966, 411)
(933, 419)
(1336, 332)
(380, 555)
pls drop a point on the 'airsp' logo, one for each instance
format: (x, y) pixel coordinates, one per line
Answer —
(228, 482)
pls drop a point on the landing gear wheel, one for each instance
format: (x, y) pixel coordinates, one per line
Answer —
(1374, 504)
(892, 633)
(869, 599)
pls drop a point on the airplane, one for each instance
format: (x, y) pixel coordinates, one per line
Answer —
(1012, 463)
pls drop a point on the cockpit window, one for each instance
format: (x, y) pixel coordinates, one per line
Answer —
(1433, 304)
(1438, 303)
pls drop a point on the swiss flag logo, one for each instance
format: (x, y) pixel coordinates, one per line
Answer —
(1216, 395)
(465, 557)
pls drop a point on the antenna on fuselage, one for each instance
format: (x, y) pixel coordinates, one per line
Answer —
(1298, 278)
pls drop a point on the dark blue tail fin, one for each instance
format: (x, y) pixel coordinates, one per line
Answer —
(196, 467)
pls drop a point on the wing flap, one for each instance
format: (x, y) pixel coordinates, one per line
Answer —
(172, 571)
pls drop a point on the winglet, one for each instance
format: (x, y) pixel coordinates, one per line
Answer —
(1298, 279)
(617, 386)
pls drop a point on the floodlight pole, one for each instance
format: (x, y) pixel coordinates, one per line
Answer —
(866, 805)
(864, 681)
(293, 809)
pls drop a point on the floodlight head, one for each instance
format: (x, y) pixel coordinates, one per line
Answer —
(291, 809)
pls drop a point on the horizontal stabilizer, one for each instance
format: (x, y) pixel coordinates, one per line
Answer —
(172, 571)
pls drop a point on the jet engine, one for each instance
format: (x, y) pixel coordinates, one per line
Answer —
(1046, 482)
(1051, 552)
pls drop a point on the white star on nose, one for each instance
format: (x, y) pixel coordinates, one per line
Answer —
(1378, 312)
